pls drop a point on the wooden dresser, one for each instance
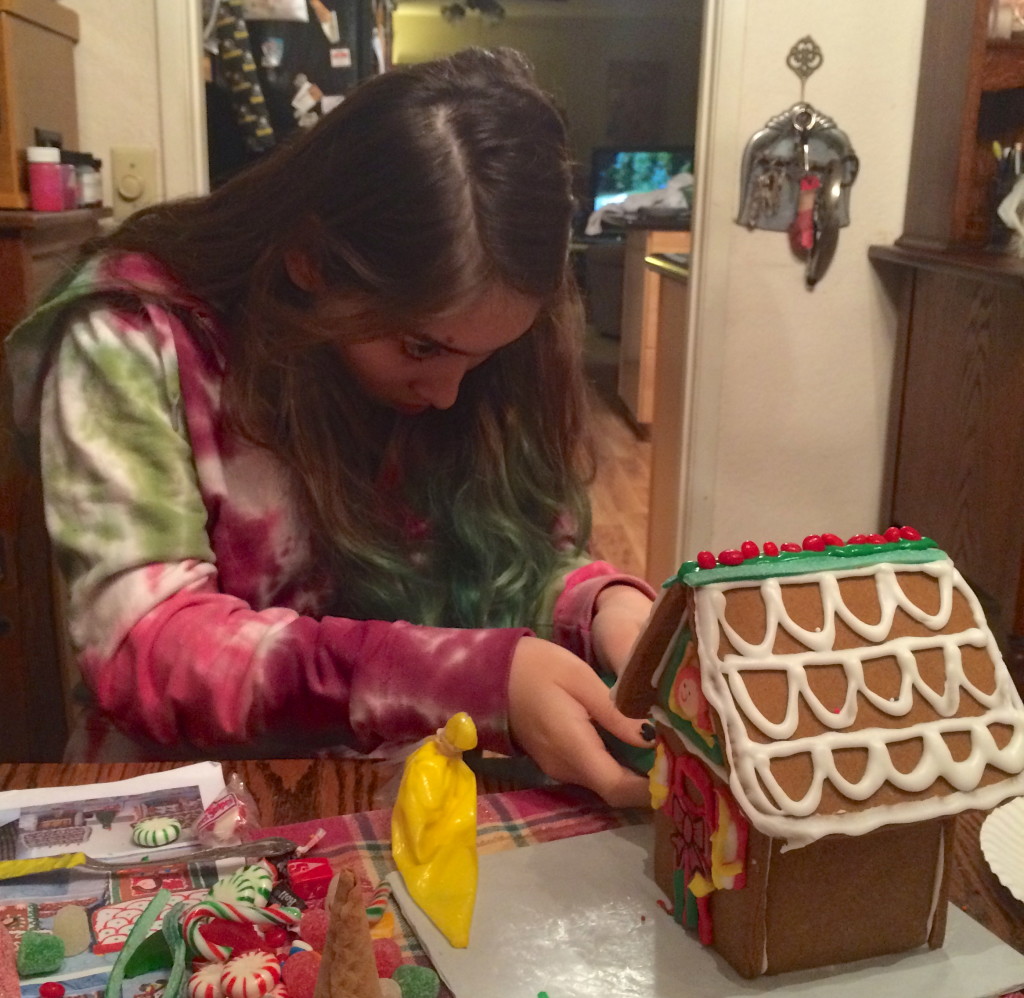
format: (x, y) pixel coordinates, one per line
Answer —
(956, 448)
(956, 440)
(34, 248)
(640, 293)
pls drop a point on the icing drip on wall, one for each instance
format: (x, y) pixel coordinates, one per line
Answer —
(765, 801)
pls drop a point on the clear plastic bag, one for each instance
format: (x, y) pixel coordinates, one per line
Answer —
(231, 818)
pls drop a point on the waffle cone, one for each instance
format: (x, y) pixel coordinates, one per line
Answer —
(348, 968)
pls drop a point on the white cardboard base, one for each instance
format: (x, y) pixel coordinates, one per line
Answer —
(578, 918)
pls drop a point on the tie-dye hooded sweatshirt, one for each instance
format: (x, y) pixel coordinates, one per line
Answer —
(196, 602)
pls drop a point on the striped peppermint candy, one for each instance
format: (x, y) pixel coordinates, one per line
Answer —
(250, 975)
(152, 832)
(205, 982)
(250, 885)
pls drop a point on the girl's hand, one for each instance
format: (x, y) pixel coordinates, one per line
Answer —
(555, 699)
(621, 613)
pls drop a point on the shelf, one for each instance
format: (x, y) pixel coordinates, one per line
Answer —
(979, 265)
(1003, 65)
(15, 218)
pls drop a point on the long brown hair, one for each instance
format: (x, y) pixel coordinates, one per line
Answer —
(427, 185)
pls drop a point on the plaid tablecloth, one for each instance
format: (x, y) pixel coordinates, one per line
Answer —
(362, 842)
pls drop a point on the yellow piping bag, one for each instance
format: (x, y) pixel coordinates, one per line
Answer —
(433, 829)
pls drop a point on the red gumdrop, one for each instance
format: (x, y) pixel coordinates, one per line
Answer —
(909, 534)
(240, 936)
(771, 549)
(876, 539)
(833, 540)
(388, 955)
(705, 559)
(790, 546)
(299, 973)
(892, 534)
(51, 989)
(313, 928)
(857, 539)
(749, 549)
(812, 542)
(730, 557)
(277, 936)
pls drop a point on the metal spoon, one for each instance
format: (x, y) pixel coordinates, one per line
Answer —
(272, 846)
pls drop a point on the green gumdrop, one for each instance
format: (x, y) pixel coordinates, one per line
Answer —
(153, 954)
(39, 953)
(416, 981)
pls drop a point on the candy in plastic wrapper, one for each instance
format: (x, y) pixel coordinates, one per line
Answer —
(310, 878)
(230, 817)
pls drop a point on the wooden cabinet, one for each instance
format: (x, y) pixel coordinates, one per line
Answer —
(956, 431)
(640, 291)
(664, 521)
(970, 94)
(34, 247)
(37, 86)
(957, 428)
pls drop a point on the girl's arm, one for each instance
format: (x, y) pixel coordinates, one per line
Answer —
(599, 612)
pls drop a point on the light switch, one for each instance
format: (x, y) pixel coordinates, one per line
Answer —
(133, 179)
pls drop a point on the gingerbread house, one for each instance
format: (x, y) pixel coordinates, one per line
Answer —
(823, 711)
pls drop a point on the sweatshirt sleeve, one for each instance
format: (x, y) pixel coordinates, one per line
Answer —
(170, 657)
(575, 604)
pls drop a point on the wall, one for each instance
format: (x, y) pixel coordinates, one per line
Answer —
(571, 45)
(116, 76)
(789, 388)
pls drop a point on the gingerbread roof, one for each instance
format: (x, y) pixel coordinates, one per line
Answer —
(855, 686)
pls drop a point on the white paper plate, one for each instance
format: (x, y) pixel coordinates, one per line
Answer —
(579, 918)
(1002, 843)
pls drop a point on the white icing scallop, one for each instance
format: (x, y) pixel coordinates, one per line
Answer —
(753, 783)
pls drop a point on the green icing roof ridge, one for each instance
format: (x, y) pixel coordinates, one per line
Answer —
(800, 562)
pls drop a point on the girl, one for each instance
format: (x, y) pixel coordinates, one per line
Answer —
(313, 446)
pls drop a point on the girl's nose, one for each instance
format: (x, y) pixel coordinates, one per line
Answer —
(441, 388)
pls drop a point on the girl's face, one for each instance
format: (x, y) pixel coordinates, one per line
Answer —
(423, 368)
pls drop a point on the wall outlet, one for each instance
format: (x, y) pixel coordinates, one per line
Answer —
(133, 179)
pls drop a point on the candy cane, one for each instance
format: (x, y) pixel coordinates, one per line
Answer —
(204, 911)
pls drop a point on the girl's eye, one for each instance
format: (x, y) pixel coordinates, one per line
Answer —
(419, 349)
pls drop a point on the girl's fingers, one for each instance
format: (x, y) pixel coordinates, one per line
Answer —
(596, 699)
(591, 765)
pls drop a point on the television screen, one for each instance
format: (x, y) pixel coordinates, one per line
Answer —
(615, 173)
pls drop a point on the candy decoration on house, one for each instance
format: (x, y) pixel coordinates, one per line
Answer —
(851, 700)
(797, 172)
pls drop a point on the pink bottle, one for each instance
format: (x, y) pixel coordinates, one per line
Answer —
(45, 181)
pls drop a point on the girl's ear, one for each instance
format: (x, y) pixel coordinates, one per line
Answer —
(303, 272)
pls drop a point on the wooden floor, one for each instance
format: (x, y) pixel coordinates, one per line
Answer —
(619, 496)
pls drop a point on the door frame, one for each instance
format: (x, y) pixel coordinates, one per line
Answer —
(182, 97)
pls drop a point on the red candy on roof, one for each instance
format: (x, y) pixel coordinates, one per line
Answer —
(812, 542)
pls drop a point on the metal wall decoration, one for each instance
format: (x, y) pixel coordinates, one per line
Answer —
(797, 173)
